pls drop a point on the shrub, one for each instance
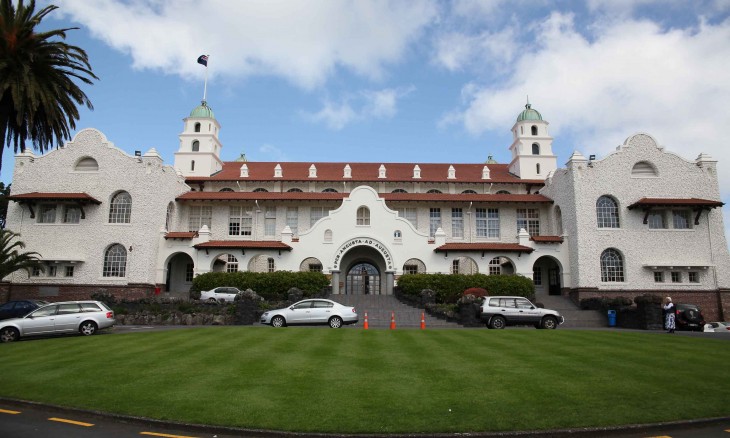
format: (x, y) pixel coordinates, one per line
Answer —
(105, 297)
(647, 299)
(476, 291)
(450, 287)
(272, 286)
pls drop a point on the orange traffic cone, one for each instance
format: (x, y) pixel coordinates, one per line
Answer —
(365, 326)
(423, 321)
(392, 320)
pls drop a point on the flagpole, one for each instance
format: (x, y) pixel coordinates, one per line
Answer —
(205, 87)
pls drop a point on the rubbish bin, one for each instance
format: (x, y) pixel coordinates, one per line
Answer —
(612, 318)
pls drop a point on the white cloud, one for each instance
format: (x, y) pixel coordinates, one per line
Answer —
(629, 76)
(272, 153)
(456, 50)
(381, 104)
(303, 42)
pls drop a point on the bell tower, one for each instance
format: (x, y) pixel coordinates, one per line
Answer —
(200, 150)
(532, 146)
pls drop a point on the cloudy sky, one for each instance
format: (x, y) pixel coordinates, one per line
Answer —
(406, 81)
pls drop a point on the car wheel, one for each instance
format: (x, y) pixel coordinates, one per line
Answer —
(278, 321)
(549, 323)
(497, 322)
(9, 334)
(335, 322)
(87, 328)
(212, 300)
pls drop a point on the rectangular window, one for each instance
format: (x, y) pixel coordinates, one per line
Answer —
(270, 265)
(656, 220)
(658, 277)
(52, 271)
(529, 219)
(35, 272)
(69, 271)
(240, 221)
(292, 220)
(457, 222)
(681, 219)
(315, 214)
(189, 272)
(435, 220)
(71, 214)
(270, 222)
(455, 267)
(676, 277)
(47, 214)
(199, 216)
(487, 222)
(694, 277)
(315, 267)
(537, 277)
(411, 214)
(410, 269)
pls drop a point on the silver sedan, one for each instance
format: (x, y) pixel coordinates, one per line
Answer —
(313, 311)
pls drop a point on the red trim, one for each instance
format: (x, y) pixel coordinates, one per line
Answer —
(319, 196)
(547, 239)
(181, 235)
(675, 202)
(502, 247)
(49, 196)
(243, 244)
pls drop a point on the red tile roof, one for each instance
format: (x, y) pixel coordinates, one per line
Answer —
(675, 202)
(48, 196)
(430, 172)
(485, 246)
(318, 196)
(181, 235)
(244, 244)
(547, 239)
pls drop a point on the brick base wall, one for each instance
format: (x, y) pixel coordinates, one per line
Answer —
(715, 305)
(68, 292)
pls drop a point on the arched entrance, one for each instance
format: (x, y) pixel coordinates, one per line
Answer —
(546, 275)
(363, 279)
(180, 268)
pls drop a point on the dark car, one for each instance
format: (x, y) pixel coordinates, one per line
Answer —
(17, 309)
(689, 317)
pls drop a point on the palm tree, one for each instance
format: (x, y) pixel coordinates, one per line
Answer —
(11, 259)
(37, 71)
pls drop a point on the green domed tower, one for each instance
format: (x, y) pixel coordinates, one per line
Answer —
(532, 147)
(200, 149)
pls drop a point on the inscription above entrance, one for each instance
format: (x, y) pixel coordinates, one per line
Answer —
(363, 241)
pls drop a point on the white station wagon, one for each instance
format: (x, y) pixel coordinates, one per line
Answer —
(85, 317)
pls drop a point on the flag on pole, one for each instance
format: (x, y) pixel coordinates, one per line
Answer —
(203, 59)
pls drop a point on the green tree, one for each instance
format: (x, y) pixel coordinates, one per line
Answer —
(37, 73)
(11, 259)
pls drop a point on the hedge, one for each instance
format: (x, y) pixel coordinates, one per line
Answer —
(272, 286)
(450, 287)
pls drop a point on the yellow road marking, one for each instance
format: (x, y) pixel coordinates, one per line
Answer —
(5, 411)
(660, 436)
(77, 423)
(165, 435)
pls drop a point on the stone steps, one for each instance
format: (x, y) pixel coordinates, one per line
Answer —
(574, 316)
(380, 307)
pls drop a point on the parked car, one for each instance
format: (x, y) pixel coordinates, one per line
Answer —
(689, 317)
(313, 311)
(499, 312)
(16, 309)
(85, 317)
(718, 327)
(220, 294)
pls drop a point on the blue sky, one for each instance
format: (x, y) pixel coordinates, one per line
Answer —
(407, 81)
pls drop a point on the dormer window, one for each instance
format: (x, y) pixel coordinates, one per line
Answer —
(347, 172)
(485, 172)
(277, 171)
(196, 146)
(534, 130)
(381, 171)
(244, 171)
(197, 127)
(452, 172)
(416, 171)
(329, 190)
(312, 171)
(535, 149)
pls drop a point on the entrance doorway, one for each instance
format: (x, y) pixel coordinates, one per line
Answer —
(363, 279)
(547, 276)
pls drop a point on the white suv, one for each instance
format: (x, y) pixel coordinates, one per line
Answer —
(499, 312)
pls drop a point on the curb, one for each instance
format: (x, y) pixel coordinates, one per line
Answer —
(260, 433)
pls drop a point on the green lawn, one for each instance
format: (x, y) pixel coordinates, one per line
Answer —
(349, 380)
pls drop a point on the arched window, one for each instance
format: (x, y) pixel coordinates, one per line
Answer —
(197, 127)
(643, 169)
(294, 190)
(363, 216)
(612, 266)
(607, 212)
(192, 165)
(196, 146)
(328, 235)
(226, 189)
(434, 191)
(120, 208)
(534, 130)
(399, 191)
(535, 149)
(115, 261)
(168, 218)
(469, 192)
(86, 164)
(502, 192)
(260, 190)
(329, 190)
